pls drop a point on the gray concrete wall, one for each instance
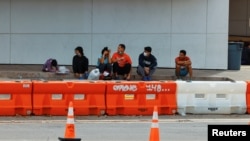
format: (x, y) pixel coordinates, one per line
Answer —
(33, 30)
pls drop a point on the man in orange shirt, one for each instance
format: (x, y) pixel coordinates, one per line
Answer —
(183, 65)
(121, 63)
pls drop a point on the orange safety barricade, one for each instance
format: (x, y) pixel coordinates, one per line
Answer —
(15, 98)
(52, 97)
(248, 97)
(140, 97)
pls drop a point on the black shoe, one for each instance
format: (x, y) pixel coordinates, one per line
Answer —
(178, 78)
(189, 79)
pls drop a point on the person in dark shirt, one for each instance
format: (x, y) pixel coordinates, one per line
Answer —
(80, 64)
(147, 64)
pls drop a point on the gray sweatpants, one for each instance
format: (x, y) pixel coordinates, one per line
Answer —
(140, 71)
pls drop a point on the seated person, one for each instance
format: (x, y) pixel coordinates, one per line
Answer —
(80, 64)
(104, 63)
(183, 65)
(147, 64)
(121, 63)
(50, 65)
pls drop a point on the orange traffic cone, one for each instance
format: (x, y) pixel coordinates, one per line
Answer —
(154, 131)
(70, 126)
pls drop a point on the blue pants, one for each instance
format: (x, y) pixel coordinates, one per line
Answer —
(183, 72)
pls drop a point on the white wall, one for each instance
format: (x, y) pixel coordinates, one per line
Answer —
(4, 31)
(217, 34)
(136, 23)
(33, 30)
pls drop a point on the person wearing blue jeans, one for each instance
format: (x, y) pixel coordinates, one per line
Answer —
(104, 63)
(183, 65)
(147, 64)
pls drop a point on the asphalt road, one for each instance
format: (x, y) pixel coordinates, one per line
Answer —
(117, 128)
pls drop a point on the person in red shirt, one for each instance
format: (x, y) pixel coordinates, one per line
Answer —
(183, 65)
(121, 63)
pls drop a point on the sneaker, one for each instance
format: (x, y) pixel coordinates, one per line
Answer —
(178, 78)
(107, 78)
(116, 78)
(85, 75)
(189, 79)
(137, 72)
(149, 78)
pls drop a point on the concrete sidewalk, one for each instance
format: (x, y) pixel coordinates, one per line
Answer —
(34, 72)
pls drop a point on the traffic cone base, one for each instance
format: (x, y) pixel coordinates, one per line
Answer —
(69, 139)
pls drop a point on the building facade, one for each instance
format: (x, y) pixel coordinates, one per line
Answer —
(33, 30)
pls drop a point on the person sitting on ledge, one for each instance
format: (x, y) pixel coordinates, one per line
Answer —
(121, 63)
(147, 64)
(183, 65)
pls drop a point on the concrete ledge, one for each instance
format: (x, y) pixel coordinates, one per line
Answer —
(34, 72)
(52, 76)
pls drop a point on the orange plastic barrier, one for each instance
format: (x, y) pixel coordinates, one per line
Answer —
(52, 97)
(139, 97)
(15, 98)
(248, 97)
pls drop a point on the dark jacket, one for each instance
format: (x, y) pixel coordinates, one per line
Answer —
(80, 64)
(149, 61)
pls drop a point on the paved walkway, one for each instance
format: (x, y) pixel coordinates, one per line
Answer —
(34, 72)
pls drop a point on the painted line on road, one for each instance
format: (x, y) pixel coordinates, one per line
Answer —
(133, 121)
